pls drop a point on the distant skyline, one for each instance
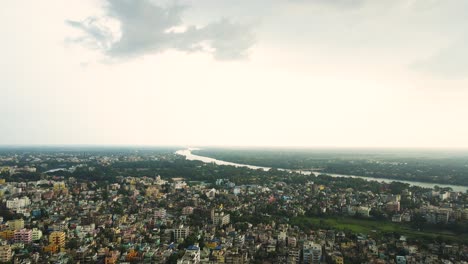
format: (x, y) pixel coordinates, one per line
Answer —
(294, 73)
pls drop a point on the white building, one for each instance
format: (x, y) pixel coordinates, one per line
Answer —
(188, 210)
(219, 218)
(191, 256)
(282, 236)
(160, 213)
(294, 256)
(363, 211)
(180, 185)
(18, 203)
(181, 232)
(312, 253)
(36, 234)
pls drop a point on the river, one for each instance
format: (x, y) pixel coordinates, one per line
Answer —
(187, 153)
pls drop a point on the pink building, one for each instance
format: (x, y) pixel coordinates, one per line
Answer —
(393, 206)
(23, 236)
(188, 210)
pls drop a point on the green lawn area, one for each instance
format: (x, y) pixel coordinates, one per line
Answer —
(370, 226)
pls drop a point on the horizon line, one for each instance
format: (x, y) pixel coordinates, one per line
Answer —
(232, 146)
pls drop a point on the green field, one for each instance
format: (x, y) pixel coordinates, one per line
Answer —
(365, 226)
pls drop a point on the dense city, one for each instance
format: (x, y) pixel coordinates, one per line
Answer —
(128, 206)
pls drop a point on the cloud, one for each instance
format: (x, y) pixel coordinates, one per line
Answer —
(146, 28)
(341, 3)
(449, 63)
(97, 36)
(333, 3)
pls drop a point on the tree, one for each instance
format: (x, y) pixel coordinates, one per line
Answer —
(73, 244)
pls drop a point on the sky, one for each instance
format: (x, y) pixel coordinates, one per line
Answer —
(307, 73)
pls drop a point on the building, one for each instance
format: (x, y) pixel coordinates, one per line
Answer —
(181, 232)
(7, 234)
(400, 260)
(393, 206)
(57, 238)
(337, 258)
(16, 224)
(152, 191)
(16, 203)
(180, 185)
(111, 256)
(5, 253)
(160, 213)
(211, 194)
(51, 248)
(294, 256)
(188, 210)
(191, 256)
(312, 253)
(444, 196)
(363, 211)
(23, 236)
(396, 218)
(292, 242)
(437, 216)
(59, 186)
(236, 257)
(220, 219)
(282, 237)
(36, 234)
(239, 240)
(218, 256)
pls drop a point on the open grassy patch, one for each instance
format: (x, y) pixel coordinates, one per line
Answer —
(368, 226)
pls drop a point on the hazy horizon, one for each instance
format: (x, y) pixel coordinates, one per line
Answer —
(276, 73)
(240, 147)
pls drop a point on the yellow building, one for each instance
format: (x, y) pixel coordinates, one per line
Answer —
(51, 248)
(132, 255)
(152, 191)
(57, 238)
(7, 234)
(338, 260)
(111, 257)
(347, 245)
(16, 224)
(219, 256)
(2, 181)
(59, 186)
(5, 253)
(211, 245)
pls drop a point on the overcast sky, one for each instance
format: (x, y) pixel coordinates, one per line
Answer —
(343, 73)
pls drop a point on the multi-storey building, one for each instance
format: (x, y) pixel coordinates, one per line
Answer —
(181, 232)
(160, 213)
(188, 210)
(57, 238)
(294, 256)
(7, 234)
(18, 203)
(16, 224)
(219, 218)
(191, 256)
(312, 253)
(36, 234)
(5, 253)
(23, 236)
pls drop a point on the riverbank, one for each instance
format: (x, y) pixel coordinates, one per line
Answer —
(187, 153)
